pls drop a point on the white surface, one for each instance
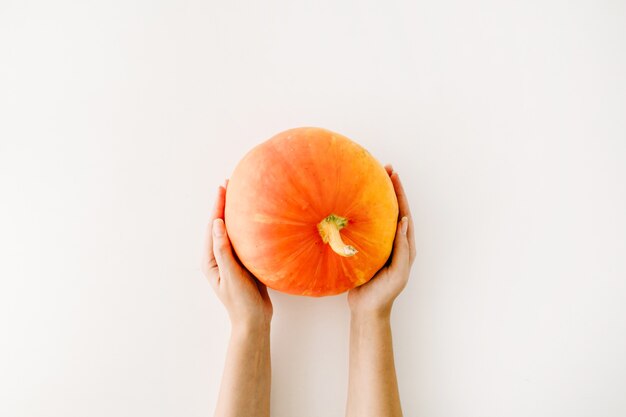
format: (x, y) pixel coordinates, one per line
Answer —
(507, 122)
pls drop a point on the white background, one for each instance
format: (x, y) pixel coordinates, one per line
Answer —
(506, 121)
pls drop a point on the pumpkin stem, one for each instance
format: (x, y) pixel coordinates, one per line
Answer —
(329, 231)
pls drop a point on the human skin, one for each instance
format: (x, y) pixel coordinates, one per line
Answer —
(246, 381)
(372, 382)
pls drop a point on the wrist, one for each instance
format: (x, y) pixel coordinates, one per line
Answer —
(250, 326)
(370, 316)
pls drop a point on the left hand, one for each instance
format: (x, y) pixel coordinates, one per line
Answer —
(245, 298)
(376, 297)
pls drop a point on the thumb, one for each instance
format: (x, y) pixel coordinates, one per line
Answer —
(400, 257)
(221, 248)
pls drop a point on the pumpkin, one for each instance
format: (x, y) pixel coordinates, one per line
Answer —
(310, 212)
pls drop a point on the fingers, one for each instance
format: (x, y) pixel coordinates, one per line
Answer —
(389, 169)
(221, 248)
(401, 250)
(208, 266)
(208, 263)
(405, 211)
(217, 212)
(220, 202)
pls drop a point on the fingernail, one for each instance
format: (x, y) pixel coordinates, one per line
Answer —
(218, 227)
(405, 225)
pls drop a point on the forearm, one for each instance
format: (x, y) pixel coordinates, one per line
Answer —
(372, 386)
(245, 387)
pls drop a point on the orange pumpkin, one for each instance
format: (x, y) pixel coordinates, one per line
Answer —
(310, 212)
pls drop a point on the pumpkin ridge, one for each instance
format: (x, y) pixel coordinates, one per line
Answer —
(309, 289)
(338, 169)
(311, 170)
(346, 273)
(298, 272)
(296, 238)
(275, 219)
(291, 192)
(305, 245)
(296, 180)
(361, 237)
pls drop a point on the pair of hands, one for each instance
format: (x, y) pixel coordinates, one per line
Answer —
(246, 299)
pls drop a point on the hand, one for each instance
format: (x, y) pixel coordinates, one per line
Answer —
(245, 298)
(376, 296)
